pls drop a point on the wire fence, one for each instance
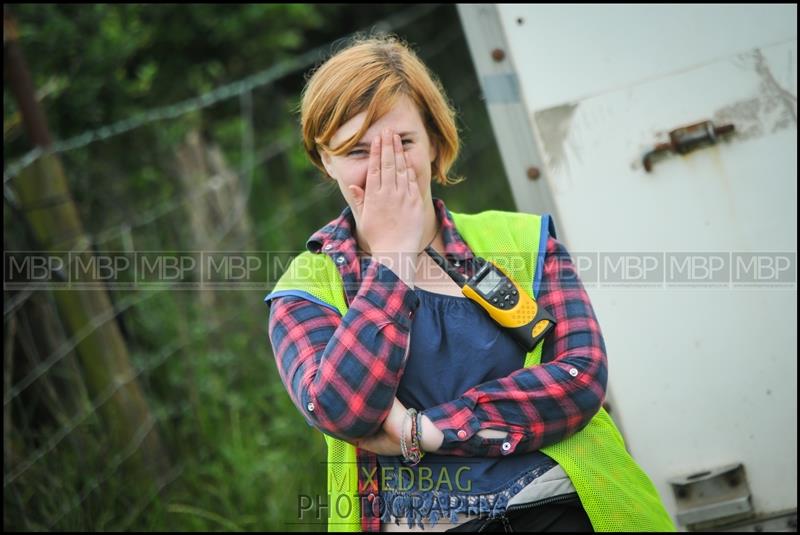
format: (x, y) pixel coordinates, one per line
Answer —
(234, 89)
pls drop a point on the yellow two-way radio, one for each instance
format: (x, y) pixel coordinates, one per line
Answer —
(507, 304)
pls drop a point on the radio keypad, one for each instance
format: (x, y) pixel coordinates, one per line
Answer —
(505, 296)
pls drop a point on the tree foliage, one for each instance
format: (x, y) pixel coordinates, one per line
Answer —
(241, 451)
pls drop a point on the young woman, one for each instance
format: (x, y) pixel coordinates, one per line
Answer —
(432, 413)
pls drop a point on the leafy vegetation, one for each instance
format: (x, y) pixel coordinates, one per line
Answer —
(240, 454)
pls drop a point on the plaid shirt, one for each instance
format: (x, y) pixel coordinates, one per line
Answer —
(342, 372)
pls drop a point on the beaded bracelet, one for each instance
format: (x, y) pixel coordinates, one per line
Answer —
(412, 453)
(403, 447)
(419, 435)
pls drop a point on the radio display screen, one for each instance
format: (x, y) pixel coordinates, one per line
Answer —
(488, 284)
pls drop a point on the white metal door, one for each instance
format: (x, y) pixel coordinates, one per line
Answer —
(691, 267)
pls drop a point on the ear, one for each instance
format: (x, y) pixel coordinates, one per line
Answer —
(327, 161)
(434, 150)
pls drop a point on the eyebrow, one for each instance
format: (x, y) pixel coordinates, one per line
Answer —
(401, 134)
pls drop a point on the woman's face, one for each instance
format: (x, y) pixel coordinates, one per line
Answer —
(350, 169)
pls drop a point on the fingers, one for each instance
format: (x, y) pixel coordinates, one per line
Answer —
(358, 198)
(358, 195)
(387, 167)
(374, 166)
(401, 170)
(413, 187)
(406, 176)
(388, 172)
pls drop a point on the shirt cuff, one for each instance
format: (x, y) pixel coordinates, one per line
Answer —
(456, 420)
(384, 289)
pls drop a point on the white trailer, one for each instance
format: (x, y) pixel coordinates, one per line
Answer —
(663, 139)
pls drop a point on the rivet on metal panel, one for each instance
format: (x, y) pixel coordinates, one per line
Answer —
(533, 173)
(498, 54)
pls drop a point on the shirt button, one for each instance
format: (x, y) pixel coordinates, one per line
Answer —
(340, 260)
(506, 446)
(328, 246)
(573, 372)
(310, 407)
(462, 434)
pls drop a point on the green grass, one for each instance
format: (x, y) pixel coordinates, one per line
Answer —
(240, 452)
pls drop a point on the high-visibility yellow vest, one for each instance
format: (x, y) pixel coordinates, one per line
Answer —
(616, 494)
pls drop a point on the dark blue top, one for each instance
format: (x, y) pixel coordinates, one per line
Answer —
(455, 346)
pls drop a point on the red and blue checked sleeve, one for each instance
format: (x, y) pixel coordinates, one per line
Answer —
(544, 404)
(342, 372)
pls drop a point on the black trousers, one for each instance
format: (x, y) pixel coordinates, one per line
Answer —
(563, 516)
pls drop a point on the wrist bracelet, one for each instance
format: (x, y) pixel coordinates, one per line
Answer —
(411, 454)
(403, 447)
(419, 435)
